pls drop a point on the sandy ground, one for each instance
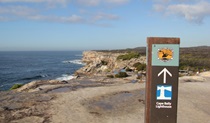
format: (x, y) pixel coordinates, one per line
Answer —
(124, 103)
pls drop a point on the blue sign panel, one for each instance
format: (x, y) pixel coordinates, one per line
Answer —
(164, 92)
(165, 55)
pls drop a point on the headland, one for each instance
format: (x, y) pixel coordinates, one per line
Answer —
(109, 88)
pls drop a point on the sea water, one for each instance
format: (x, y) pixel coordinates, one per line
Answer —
(22, 67)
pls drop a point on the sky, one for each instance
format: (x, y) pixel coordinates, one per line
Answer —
(41, 25)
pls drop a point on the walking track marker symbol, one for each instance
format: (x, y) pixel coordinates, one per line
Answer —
(164, 71)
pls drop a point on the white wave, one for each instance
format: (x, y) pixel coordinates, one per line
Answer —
(66, 77)
(77, 61)
(44, 75)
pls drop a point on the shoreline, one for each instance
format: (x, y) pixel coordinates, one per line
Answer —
(24, 67)
(94, 97)
(97, 98)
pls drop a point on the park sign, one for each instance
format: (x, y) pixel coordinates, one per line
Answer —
(162, 80)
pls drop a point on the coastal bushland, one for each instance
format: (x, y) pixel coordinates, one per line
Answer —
(121, 75)
(139, 66)
(15, 86)
(128, 56)
(191, 58)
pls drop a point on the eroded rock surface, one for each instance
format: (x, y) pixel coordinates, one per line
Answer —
(16, 107)
(97, 62)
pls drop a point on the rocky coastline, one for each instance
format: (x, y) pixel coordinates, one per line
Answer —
(104, 62)
(31, 101)
(94, 97)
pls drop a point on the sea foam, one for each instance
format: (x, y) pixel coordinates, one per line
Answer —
(76, 61)
(66, 77)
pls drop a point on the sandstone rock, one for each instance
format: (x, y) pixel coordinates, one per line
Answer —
(193, 79)
(32, 119)
(106, 61)
(54, 81)
(28, 86)
(1, 109)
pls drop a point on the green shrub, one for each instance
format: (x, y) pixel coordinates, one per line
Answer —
(15, 86)
(180, 75)
(136, 64)
(128, 69)
(121, 75)
(110, 76)
(139, 77)
(194, 61)
(108, 70)
(139, 66)
(103, 62)
(128, 56)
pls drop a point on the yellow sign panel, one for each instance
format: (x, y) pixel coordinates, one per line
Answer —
(165, 54)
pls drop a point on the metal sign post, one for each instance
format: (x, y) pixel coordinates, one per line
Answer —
(162, 80)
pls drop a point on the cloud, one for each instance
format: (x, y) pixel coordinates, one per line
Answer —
(194, 13)
(17, 10)
(158, 7)
(98, 2)
(117, 1)
(35, 1)
(66, 2)
(2, 18)
(11, 10)
(63, 19)
(104, 16)
(102, 19)
(89, 2)
(162, 1)
(49, 3)
(23, 12)
(12, 13)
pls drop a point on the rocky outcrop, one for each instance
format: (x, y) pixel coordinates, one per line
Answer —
(16, 107)
(39, 85)
(97, 62)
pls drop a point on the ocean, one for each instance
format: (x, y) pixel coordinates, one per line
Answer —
(22, 67)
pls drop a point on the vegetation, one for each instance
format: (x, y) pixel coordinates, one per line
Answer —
(108, 70)
(191, 58)
(110, 76)
(15, 86)
(128, 56)
(139, 66)
(121, 75)
(194, 63)
(140, 50)
(103, 62)
(128, 69)
(139, 77)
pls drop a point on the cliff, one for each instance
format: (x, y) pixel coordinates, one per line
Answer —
(99, 98)
(105, 62)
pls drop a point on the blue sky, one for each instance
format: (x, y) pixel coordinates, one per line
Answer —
(100, 24)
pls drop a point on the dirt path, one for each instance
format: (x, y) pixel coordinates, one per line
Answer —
(124, 104)
(194, 102)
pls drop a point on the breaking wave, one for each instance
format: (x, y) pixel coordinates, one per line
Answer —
(77, 61)
(35, 77)
(66, 77)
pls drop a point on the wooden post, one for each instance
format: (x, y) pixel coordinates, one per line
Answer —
(162, 80)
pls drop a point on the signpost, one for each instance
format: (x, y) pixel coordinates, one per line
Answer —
(162, 80)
